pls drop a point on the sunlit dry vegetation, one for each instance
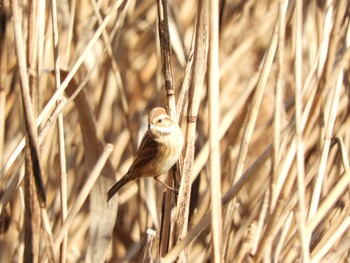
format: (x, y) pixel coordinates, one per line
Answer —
(77, 80)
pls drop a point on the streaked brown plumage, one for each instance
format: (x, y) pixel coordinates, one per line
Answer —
(159, 150)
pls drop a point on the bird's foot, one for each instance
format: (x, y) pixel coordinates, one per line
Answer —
(174, 190)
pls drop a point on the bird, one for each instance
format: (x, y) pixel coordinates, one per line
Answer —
(159, 150)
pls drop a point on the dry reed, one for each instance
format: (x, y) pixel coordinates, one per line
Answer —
(261, 89)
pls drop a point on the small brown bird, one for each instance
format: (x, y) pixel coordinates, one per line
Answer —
(159, 150)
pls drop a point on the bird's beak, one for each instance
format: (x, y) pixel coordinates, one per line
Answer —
(150, 125)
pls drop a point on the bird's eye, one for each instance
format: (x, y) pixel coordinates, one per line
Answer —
(160, 120)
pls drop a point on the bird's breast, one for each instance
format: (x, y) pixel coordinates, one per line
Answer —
(171, 150)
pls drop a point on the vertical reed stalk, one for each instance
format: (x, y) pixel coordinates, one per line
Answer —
(214, 141)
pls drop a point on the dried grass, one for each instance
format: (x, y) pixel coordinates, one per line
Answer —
(283, 107)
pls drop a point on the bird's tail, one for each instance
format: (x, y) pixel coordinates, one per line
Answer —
(115, 188)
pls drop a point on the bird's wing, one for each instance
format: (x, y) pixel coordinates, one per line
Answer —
(145, 153)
